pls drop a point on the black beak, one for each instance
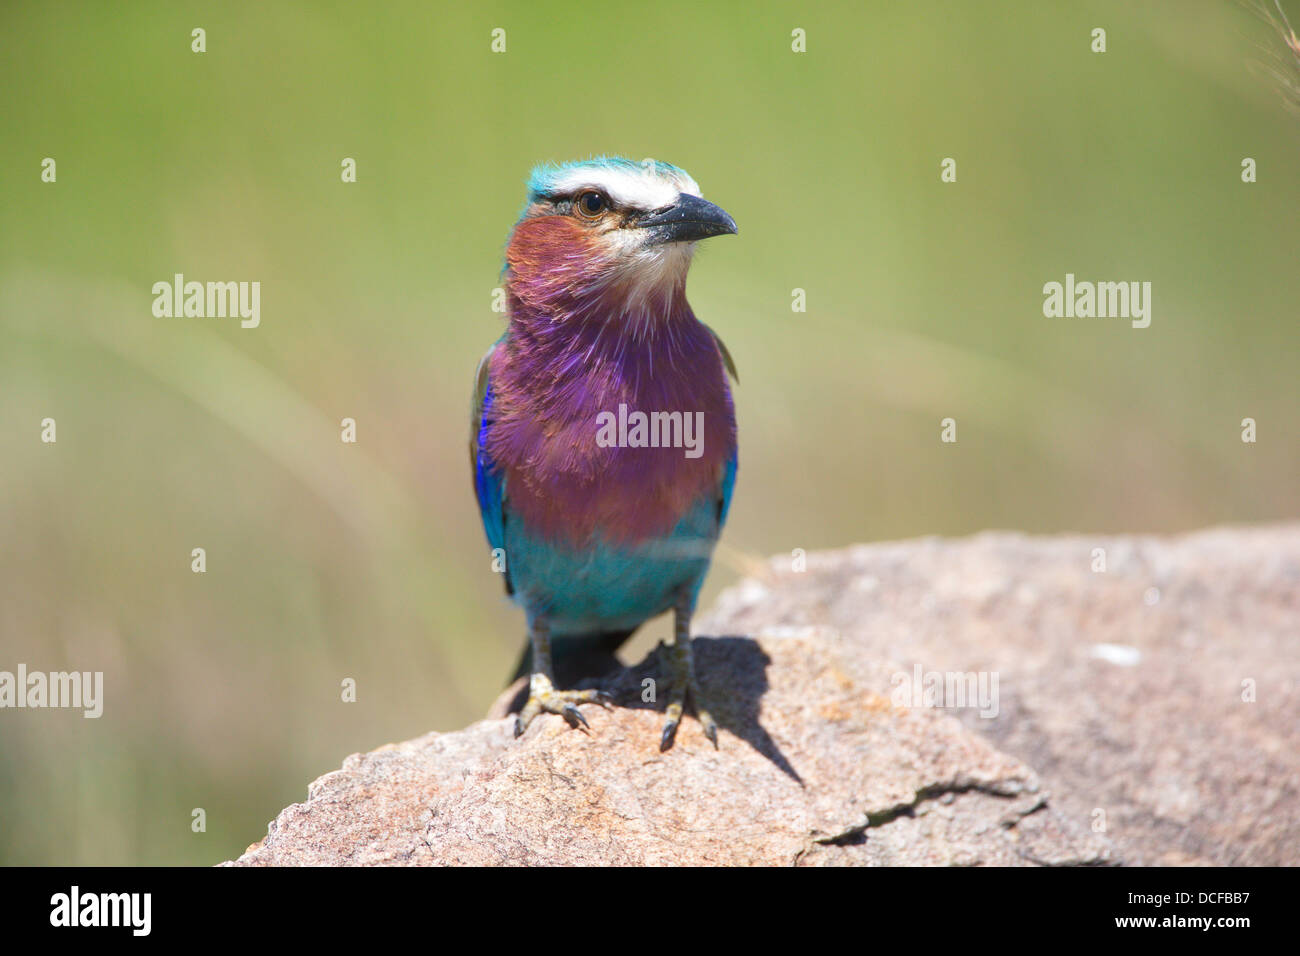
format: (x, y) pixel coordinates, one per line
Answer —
(688, 219)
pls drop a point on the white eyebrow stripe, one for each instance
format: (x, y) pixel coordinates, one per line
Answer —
(638, 189)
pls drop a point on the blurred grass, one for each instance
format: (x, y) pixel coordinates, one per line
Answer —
(328, 561)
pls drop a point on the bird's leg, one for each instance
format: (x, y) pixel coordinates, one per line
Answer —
(542, 695)
(682, 674)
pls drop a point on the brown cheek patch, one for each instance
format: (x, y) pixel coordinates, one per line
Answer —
(542, 240)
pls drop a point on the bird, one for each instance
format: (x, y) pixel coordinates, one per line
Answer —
(603, 437)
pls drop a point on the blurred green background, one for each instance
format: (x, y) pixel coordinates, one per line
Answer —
(328, 561)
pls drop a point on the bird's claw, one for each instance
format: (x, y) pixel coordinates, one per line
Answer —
(710, 729)
(707, 724)
(670, 733)
(574, 716)
(543, 698)
(683, 680)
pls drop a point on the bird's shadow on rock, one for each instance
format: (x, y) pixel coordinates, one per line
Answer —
(731, 671)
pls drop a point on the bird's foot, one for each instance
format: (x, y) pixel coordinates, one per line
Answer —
(682, 674)
(544, 698)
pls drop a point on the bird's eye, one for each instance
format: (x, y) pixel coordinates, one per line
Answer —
(590, 204)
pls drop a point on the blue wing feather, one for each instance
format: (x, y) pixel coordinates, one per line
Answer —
(489, 483)
(728, 486)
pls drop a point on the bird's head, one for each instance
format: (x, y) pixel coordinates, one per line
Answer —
(607, 234)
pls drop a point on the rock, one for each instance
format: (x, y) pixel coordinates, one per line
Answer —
(1128, 690)
(816, 765)
(1109, 697)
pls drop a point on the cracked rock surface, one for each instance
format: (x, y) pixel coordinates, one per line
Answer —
(821, 763)
(1159, 696)
(816, 766)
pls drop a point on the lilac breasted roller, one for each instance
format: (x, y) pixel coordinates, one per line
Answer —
(603, 436)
